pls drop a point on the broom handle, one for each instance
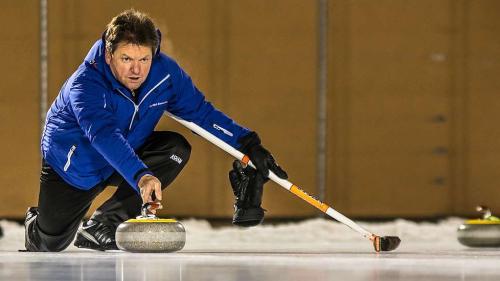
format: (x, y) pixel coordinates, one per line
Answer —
(284, 183)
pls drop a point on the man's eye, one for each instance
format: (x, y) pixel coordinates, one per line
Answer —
(125, 59)
(144, 60)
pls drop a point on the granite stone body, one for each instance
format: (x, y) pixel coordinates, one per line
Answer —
(479, 235)
(150, 235)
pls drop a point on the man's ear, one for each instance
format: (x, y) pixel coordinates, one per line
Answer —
(107, 56)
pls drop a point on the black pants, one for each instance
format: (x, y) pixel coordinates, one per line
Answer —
(61, 206)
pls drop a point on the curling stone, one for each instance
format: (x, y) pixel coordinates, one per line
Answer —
(147, 233)
(483, 232)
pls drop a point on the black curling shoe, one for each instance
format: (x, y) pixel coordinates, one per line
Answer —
(96, 236)
(29, 223)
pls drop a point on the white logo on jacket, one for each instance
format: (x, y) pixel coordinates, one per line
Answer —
(158, 104)
(217, 127)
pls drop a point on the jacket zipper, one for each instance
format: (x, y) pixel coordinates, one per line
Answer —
(136, 106)
(70, 153)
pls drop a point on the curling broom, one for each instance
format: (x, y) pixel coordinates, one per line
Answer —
(380, 243)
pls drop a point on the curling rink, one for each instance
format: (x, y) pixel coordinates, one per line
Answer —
(315, 249)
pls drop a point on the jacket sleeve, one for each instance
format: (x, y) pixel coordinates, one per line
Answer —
(99, 125)
(190, 104)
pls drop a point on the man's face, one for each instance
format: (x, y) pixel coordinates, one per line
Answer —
(130, 64)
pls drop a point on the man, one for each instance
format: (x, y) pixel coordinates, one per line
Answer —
(99, 132)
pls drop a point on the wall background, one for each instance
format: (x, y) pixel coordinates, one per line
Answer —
(412, 98)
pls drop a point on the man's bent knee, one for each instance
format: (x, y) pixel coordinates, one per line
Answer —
(182, 148)
(169, 141)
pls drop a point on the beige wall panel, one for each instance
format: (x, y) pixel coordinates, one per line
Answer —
(398, 82)
(19, 107)
(482, 94)
(270, 87)
(337, 187)
(390, 81)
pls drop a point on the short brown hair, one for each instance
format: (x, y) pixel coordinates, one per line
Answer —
(132, 27)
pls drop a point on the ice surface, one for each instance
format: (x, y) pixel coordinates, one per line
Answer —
(316, 249)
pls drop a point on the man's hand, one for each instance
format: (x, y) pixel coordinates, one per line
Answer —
(264, 161)
(147, 185)
(261, 157)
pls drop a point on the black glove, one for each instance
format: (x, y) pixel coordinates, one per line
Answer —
(261, 157)
(248, 189)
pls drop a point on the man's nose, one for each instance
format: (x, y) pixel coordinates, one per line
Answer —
(135, 68)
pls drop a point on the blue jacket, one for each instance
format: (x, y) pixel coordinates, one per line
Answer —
(93, 127)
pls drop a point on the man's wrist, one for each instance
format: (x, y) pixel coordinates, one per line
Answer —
(248, 142)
